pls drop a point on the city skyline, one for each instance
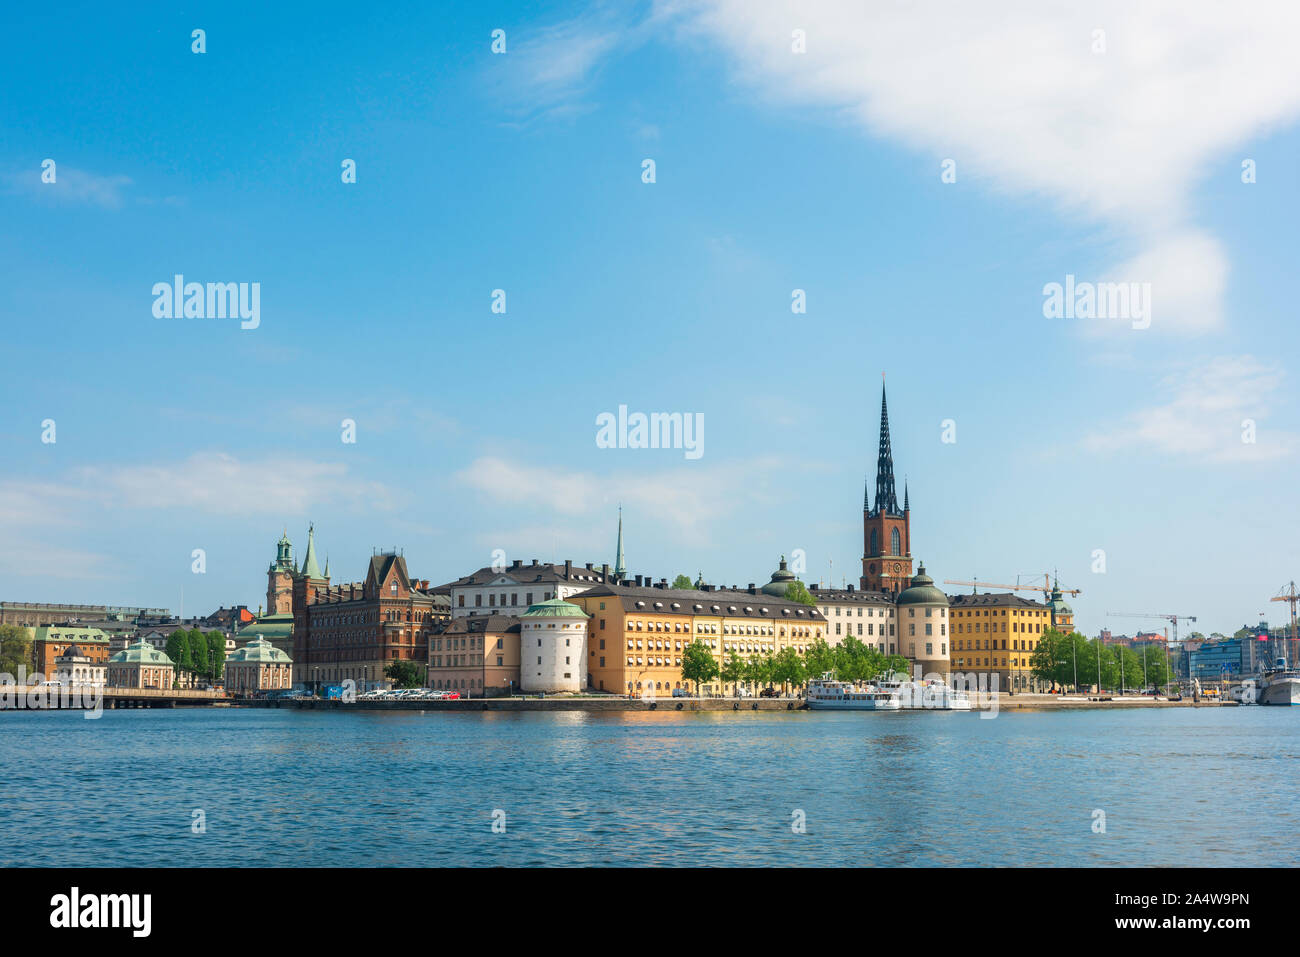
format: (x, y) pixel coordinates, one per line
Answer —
(775, 172)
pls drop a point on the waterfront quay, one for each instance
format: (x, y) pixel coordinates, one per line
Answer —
(1005, 702)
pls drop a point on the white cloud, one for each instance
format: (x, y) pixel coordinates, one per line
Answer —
(1020, 100)
(689, 499)
(1203, 414)
(73, 186)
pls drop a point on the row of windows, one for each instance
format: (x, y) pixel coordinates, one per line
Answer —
(974, 645)
(871, 628)
(1033, 626)
(493, 602)
(848, 612)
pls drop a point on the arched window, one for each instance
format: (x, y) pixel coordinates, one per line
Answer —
(895, 542)
(875, 544)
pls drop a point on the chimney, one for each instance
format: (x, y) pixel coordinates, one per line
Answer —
(517, 562)
(589, 568)
(604, 573)
(638, 581)
(534, 561)
(568, 569)
(751, 588)
(663, 583)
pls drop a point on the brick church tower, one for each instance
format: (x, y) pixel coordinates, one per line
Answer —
(886, 531)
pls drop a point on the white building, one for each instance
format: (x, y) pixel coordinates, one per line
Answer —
(512, 589)
(869, 616)
(553, 647)
(73, 668)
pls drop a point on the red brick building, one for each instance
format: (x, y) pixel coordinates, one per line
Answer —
(355, 631)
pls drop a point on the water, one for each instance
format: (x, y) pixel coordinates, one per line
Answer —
(1210, 786)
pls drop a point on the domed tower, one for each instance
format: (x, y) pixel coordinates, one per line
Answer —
(1062, 614)
(781, 581)
(923, 624)
(553, 647)
(886, 529)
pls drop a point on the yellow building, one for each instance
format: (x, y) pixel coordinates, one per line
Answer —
(637, 633)
(997, 634)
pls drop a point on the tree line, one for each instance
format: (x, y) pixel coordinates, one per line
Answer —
(853, 660)
(1075, 661)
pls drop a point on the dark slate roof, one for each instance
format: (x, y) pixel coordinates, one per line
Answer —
(478, 624)
(838, 595)
(995, 599)
(682, 601)
(539, 573)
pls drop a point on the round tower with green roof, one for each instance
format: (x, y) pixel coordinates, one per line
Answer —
(553, 648)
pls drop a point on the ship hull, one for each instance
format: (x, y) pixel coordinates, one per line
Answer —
(1285, 691)
(815, 704)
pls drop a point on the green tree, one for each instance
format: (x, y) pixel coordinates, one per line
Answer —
(1050, 661)
(733, 669)
(15, 649)
(198, 649)
(758, 670)
(797, 592)
(405, 674)
(683, 581)
(698, 664)
(216, 654)
(178, 650)
(788, 668)
(820, 657)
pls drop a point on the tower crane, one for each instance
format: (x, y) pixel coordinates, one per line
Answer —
(1045, 588)
(1172, 619)
(1291, 596)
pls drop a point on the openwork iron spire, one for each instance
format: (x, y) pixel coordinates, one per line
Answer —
(886, 498)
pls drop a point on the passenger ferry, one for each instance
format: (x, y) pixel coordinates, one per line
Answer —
(931, 695)
(827, 694)
(1280, 685)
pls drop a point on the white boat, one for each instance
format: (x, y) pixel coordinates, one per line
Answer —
(930, 695)
(1280, 684)
(827, 694)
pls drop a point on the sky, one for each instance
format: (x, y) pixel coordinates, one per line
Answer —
(922, 171)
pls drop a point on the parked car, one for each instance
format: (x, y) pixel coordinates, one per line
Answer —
(769, 692)
(681, 693)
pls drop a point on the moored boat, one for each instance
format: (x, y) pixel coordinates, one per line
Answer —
(827, 694)
(1280, 684)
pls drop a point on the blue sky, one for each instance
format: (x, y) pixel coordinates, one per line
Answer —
(775, 171)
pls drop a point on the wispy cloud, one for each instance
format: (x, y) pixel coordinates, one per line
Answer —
(1216, 412)
(691, 501)
(1113, 129)
(72, 186)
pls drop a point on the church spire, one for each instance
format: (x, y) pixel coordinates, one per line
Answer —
(310, 568)
(886, 497)
(620, 566)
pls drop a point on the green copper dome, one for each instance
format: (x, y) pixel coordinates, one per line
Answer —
(781, 581)
(1058, 605)
(260, 650)
(140, 653)
(554, 608)
(922, 591)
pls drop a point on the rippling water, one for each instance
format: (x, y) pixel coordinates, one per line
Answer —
(1211, 786)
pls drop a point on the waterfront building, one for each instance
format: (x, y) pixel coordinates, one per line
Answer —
(1218, 660)
(886, 528)
(869, 616)
(997, 633)
(511, 589)
(922, 613)
(141, 665)
(279, 578)
(477, 655)
(75, 668)
(638, 630)
(553, 647)
(50, 641)
(356, 631)
(258, 666)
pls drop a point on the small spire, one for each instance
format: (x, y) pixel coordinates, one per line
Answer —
(620, 566)
(907, 505)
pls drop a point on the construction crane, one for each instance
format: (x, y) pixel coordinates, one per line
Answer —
(1045, 588)
(1172, 619)
(1291, 596)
